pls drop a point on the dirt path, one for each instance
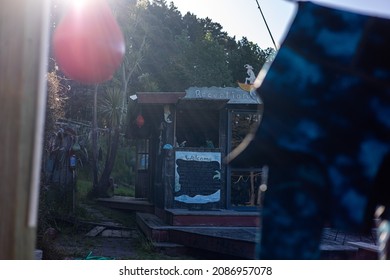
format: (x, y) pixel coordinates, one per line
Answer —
(100, 237)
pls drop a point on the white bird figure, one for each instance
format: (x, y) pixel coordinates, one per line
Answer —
(251, 75)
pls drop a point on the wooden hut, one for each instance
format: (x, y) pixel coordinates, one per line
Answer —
(182, 140)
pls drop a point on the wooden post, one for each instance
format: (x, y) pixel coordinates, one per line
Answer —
(24, 33)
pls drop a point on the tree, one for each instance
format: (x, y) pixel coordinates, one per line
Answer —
(187, 51)
(113, 108)
(203, 63)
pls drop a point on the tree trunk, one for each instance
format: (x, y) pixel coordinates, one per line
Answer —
(104, 182)
(102, 187)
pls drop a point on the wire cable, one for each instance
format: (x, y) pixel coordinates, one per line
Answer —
(266, 24)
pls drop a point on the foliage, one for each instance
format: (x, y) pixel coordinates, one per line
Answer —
(123, 172)
(55, 102)
(122, 190)
(53, 198)
(184, 50)
(83, 187)
(111, 108)
(165, 51)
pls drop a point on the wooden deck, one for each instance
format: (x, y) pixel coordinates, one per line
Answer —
(241, 242)
(221, 218)
(228, 232)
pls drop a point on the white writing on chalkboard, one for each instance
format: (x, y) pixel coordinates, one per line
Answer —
(197, 158)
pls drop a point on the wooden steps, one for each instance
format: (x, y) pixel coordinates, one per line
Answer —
(234, 241)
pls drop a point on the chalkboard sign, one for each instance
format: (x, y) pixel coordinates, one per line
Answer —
(198, 177)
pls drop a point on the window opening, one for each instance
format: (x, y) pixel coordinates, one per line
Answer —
(245, 184)
(143, 154)
(197, 128)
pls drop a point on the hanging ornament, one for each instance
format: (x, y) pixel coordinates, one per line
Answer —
(88, 43)
(140, 121)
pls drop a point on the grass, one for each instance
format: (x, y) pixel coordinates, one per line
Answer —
(83, 187)
(124, 190)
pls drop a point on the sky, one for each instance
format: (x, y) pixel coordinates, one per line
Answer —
(243, 18)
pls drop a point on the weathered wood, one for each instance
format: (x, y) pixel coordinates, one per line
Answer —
(365, 246)
(133, 204)
(95, 231)
(23, 60)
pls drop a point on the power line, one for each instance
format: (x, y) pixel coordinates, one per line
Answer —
(266, 24)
